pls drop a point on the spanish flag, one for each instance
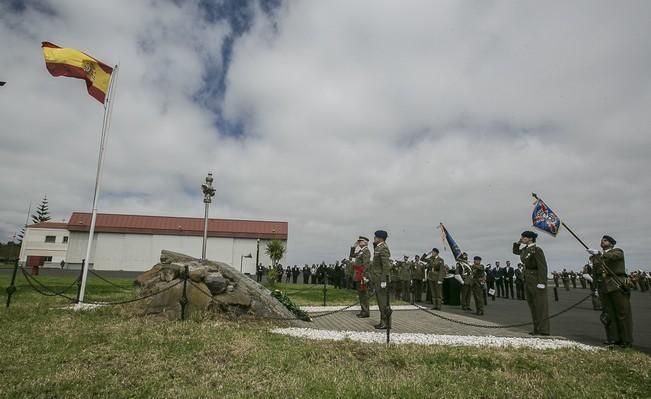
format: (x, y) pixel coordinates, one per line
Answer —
(75, 64)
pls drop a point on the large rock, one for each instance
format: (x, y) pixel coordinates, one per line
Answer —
(211, 286)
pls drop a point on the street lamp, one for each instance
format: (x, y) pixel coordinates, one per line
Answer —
(208, 193)
(257, 255)
(249, 256)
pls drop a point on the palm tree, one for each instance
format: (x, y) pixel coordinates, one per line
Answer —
(276, 250)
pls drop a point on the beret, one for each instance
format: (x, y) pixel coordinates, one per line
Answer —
(381, 234)
(609, 238)
(477, 258)
(529, 234)
(435, 250)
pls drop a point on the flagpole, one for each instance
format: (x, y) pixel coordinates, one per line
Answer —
(106, 123)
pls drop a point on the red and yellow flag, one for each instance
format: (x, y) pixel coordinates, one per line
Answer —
(75, 64)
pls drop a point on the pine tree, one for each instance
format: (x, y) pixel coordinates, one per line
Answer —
(42, 212)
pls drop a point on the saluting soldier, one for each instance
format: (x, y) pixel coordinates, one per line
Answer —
(405, 279)
(610, 275)
(362, 262)
(477, 280)
(379, 272)
(435, 278)
(535, 271)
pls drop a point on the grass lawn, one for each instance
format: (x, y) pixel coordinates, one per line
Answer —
(49, 352)
(309, 294)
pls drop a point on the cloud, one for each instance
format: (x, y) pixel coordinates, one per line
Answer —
(343, 117)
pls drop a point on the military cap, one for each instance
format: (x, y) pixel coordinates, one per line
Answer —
(381, 234)
(477, 258)
(610, 239)
(362, 238)
(529, 234)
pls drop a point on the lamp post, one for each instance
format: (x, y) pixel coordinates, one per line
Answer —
(249, 256)
(257, 254)
(208, 193)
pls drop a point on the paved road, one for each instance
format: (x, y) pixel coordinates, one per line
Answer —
(580, 324)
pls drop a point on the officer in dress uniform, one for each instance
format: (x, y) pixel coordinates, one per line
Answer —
(362, 262)
(535, 271)
(609, 271)
(379, 272)
(519, 281)
(508, 283)
(500, 276)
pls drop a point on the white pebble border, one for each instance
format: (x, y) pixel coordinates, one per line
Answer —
(435, 339)
(83, 306)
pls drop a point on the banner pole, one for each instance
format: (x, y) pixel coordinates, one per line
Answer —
(106, 122)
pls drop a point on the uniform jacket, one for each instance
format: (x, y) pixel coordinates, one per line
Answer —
(535, 264)
(436, 269)
(381, 265)
(614, 259)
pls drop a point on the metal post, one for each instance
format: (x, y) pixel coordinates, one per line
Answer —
(257, 254)
(556, 294)
(12, 287)
(184, 297)
(388, 315)
(79, 284)
(208, 193)
(325, 288)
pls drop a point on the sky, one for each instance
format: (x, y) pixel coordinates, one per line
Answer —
(341, 118)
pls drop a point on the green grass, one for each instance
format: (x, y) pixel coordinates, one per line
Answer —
(49, 352)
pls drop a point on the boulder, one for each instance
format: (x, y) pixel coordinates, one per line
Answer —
(211, 286)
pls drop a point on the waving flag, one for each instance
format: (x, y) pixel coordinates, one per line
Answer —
(544, 218)
(75, 64)
(447, 238)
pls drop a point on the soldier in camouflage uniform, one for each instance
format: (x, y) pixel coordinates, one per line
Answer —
(379, 273)
(396, 284)
(609, 271)
(535, 272)
(436, 268)
(361, 264)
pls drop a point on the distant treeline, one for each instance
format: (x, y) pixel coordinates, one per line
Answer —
(9, 251)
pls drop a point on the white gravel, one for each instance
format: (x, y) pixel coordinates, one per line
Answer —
(83, 306)
(434, 339)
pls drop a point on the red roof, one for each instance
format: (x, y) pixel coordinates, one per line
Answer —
(49, 225)
(168, 225)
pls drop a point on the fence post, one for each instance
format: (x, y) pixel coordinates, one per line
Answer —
(81, 273)
(556, 294)
(388, 310)
(184, 296)
(12, 287)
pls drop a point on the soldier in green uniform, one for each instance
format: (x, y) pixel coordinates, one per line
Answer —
(465, 272)
(535, 277)
(609, 271)
(477, 280)
(379, 273)
(417, 277)
(405, 279)
(436, 267)
(396, 284)
(362, 262)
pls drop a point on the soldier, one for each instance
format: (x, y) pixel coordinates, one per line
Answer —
(500, 276)
(609, 271)
(405, 279)
(306, 274)
(435, 278)
(565, 276)
(519, 281)
(295, 273)
(465, 273)
(490, 281)
(361, 263)
(535, 270)
(477, 280)
(573, 278)
(396, 284)
(379, 272)
(417, 277)
(508, 283)
(556, 277)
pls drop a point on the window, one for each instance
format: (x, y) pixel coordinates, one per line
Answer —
(50, 238)
(48, 259)
(65, 239)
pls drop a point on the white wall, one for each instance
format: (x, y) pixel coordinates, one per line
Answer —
(34, 244)
(139, 252)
